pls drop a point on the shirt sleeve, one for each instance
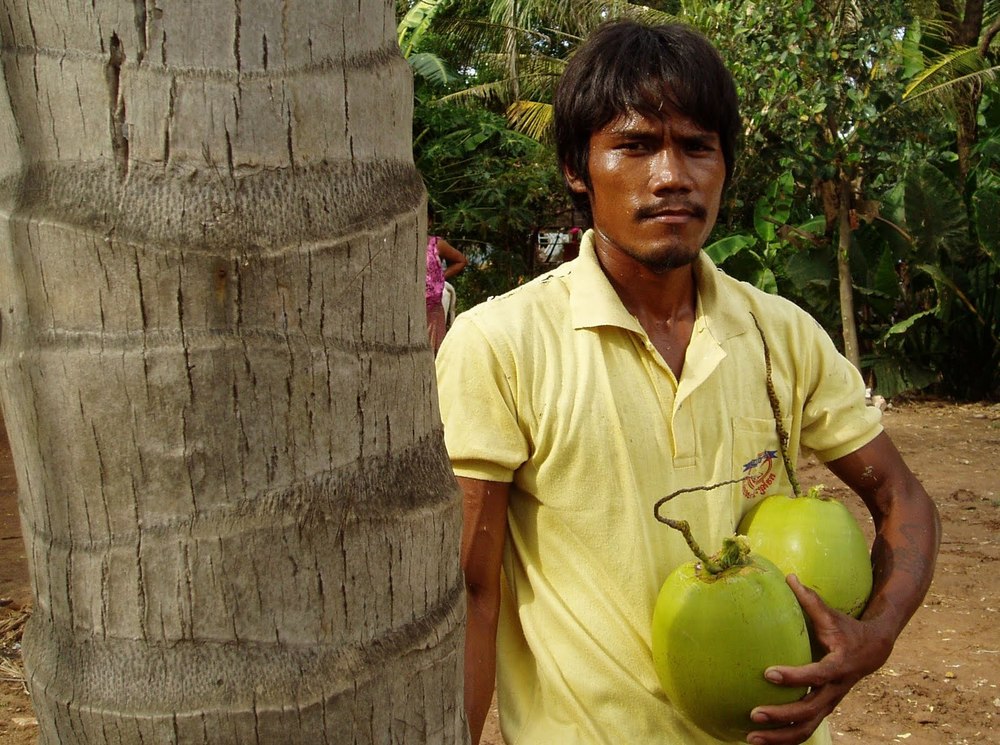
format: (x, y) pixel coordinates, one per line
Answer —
(479, 406)
(836, 419)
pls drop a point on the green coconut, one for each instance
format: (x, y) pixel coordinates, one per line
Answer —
(817, 539)
(717, 626)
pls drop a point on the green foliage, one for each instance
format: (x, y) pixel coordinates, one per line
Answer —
(986, 206)
(779, 257)
(490, 272)
(935, 214)
(731, 245)
(410, 32)
(432, 68)
(818, 88)
(415, 23)
(822, 95)
(774, 209)
(946, 327)
(949, 71)
(490, 188)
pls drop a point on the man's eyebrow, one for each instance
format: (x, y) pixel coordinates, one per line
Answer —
(700, 135)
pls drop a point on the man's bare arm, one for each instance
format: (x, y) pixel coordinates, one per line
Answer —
(484, 528)
(907, 531)
(907, 535)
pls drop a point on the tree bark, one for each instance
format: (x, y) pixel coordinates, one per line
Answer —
(964, 31)
(240, 520)
(510, 21)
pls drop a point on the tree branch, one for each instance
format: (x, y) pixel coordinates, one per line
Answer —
(991, 32)
(970, 26)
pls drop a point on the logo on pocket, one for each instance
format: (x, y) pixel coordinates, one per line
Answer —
(759, 474)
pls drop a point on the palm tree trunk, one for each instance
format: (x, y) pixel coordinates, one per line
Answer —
(967, 106)
(240, 519)
(846, 282)
(510, 49)
(965, 30)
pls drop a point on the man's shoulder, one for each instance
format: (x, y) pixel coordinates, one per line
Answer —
(544, 297)
(510, 328)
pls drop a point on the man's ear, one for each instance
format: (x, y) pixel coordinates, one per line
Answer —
(575, 183)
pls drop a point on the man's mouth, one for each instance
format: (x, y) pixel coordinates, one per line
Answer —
(672, 213)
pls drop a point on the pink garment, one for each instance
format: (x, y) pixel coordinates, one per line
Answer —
(435, 273)
(437, 326)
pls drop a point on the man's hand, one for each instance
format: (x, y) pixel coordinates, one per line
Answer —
(854, 648)
(907, 534)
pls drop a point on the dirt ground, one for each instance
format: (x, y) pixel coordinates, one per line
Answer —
(938, 688)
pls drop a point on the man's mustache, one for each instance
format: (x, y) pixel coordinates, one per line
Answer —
(655, 210)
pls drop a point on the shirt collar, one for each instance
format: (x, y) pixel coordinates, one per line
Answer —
(594, 302)
(716, 309)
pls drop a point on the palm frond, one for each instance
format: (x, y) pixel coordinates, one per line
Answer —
(415, 23)
(501, 91)
(539, 27)
(562, 14)
(497, 90)
(430, 67)
(935, 27)
(950, 64)
(537, 73)
(539, 78)
(645, 14)
(531, 118)
(485, 34)
(988, 75)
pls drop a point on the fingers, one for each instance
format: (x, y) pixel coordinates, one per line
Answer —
(813, 675)
(809, 599)
(851, 649)
(793, 723)
(791, 735)
(827, 632)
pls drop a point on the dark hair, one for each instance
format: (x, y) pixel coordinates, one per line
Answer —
(625, 65)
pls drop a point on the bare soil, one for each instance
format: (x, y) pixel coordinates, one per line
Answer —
(940, 687)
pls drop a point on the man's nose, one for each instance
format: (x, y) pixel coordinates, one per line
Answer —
(669, 170)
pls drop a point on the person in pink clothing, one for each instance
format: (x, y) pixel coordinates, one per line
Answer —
(438, 250)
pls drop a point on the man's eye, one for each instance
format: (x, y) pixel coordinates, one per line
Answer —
(700, 146)
(631, 145)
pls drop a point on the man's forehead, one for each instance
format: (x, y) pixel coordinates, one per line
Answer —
(666, 116)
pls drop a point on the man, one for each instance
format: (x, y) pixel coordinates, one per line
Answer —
(578, 400)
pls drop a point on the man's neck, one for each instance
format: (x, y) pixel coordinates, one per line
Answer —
(663, 302)
(662, 296)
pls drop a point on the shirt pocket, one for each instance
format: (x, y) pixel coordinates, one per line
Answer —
(757, 459)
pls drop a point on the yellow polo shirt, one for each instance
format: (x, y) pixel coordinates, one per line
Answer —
(555, 388)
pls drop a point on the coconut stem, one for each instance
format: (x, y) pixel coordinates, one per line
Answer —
(710, 563)
(772, 397)
(685, 529)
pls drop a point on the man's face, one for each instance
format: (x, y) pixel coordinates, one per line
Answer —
(656, 183)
